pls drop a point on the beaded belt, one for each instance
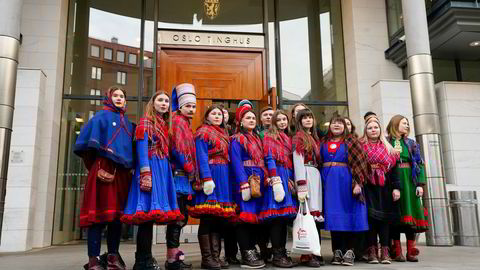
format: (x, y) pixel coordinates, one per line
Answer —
(251, 163)
(179, 173)
(335, 164)
(404, 165)
(376, 166)
(217, 161)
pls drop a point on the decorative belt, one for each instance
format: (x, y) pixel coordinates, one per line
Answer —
(335, 164)
(179, 173)
(311, 163)
(376, 166)
(251, 163)
(404, 165)
(217, 160)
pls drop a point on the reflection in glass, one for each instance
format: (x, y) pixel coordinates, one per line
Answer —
(394, 17)
(311, 46)
(72, 174)
(323, 114)
(227, 16)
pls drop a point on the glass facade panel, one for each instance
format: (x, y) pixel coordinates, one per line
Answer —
(323, 114)
(212, 15)
(72, 174)
(311, 47)
(394, 17)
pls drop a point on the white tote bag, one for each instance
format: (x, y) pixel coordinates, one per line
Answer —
(305, 234)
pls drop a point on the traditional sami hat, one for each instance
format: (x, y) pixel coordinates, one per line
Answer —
(182, 94)
(245, 102)
(241, 111)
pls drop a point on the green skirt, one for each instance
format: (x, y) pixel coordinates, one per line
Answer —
(412, 212)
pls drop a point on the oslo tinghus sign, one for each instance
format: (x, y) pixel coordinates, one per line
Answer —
(210, 39)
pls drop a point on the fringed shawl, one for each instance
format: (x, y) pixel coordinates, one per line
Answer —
(217, 138)
(182, 138)
(157, 135)
(252, 144)
(380, 160)
(299, 144)
(280, 147)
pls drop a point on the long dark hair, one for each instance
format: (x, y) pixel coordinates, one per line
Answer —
(291, 125)
(243, 130)
(207, 112)
(353, 132)
(298, 122)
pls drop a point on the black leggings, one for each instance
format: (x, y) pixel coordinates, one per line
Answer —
(396, 230)
(174, 229)
(380, 228)
(246, 236)
(229, 235)
(114, 232)
(343, 240)
(144, 239)
(278, 233)
(209, 225)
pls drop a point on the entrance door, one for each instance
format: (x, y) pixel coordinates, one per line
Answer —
(217, 74)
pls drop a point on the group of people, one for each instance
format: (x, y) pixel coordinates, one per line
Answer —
(247, 182)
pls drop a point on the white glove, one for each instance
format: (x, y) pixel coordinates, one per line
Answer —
(278, 192)
(208, 187)
(246, 192)
(419, 192)
(396, 195)
(302, 192)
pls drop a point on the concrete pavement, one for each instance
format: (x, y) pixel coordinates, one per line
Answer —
(73, 256)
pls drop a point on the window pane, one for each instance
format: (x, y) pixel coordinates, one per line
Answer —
(114, 28)
(107, 54)
(224, 15)
(394, 16)
(311, 46)
(94, 73)
(132, 59)
(95, 51)
(323, 114)
(120, 56)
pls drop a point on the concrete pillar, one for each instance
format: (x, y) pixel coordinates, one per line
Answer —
(9, 46)
(426, 120)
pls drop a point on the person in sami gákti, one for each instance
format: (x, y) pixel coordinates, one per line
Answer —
(266, 114)
(182, 158)
(411, 172)
(279, 206)
(152, 197)
(293, 116)
(105, 145)
(380, 190)
(344, 171)
(306, 156)
(213, 202)
(248, 169)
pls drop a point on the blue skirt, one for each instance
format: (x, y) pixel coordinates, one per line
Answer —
(248, 211)
(220, 202)
(183, 185)
(342, 211)
(159, 205)
(285, 209)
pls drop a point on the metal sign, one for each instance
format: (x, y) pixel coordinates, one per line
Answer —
(174, 37)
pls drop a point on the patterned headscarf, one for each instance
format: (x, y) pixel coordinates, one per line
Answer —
(108, 102)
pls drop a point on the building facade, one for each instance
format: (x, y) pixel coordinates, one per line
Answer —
(338, 57)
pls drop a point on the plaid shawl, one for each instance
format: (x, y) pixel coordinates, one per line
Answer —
(157, 135)
(252, 144)
(280, 146)
(378, 154)
(415, 158)
(182, 139)
(217, 137)
(298, 144)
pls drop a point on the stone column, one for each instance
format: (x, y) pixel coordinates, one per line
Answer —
(9, 46)
(426, 120)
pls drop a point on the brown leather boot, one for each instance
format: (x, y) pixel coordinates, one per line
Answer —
(115, 262)
(372, 255)
(280, 258)
(208, 261)
(412, 251)
(384, 256)
(216, 247)
(94, 264)
(397, 251)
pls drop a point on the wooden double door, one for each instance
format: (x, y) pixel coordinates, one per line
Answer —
(217, 74)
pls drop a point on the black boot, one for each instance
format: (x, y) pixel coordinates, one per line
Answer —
(251, 260)
(208, 261)
(145, 262)
(280, 258)
(216, 247)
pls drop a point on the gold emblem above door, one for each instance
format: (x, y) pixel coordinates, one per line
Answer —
(211, 8)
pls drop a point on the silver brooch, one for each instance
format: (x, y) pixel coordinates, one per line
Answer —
(114, 124)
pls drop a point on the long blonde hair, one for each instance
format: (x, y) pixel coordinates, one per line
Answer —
(273, 130)
(382, 138)
(392, 127)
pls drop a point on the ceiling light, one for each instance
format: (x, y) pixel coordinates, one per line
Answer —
(475, 43)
